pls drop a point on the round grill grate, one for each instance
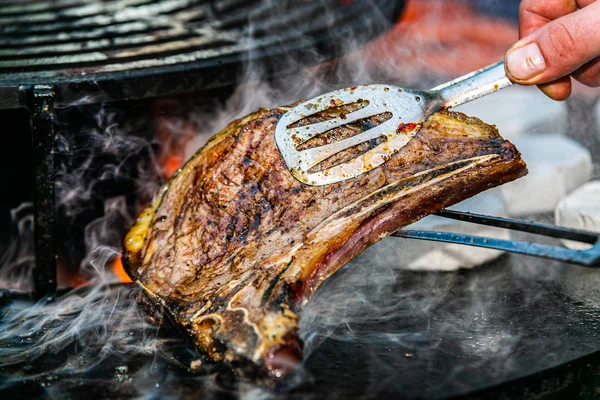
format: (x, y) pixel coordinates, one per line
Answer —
(58, 41)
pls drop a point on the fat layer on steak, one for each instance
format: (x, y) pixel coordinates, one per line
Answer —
(232, 246)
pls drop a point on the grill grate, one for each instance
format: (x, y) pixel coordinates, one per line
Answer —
(54, 41)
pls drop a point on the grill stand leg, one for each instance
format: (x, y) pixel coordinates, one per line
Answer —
(42, 118)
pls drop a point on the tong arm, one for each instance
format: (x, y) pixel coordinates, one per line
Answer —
(589, 257)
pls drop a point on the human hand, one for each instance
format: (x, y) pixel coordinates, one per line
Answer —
(560, 39)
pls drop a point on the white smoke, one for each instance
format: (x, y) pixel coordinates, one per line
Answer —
(100, 320)
(81, 328)
(17, 262)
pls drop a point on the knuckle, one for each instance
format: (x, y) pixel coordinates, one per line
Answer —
(589, 74)
(593, 81)
(562, 42)
(523, 7)
(532, 6)
(526, 11)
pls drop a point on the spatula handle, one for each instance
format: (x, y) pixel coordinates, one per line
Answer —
(473, 86)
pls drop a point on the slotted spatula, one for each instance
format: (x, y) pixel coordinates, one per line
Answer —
(408, 109)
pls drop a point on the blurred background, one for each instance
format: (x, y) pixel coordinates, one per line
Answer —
(140, 85)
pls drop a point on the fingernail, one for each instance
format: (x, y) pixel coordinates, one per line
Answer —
(525, 62)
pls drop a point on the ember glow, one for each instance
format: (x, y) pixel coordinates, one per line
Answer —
(437, 37)
(173, 134)
(119, 271)
(69, 277)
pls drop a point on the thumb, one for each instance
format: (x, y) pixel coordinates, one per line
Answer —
(557, 49)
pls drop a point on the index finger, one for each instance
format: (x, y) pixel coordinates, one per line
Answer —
(533, 14)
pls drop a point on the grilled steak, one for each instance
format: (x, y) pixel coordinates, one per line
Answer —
(233, 246)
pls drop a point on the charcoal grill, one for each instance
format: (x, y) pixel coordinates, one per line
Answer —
(58, 53)
(515, 329)
(107, 50)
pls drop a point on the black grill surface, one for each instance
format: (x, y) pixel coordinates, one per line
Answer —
(519, 328)
(81, 41)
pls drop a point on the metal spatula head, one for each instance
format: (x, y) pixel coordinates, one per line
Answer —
(404, 111)
(407, 110)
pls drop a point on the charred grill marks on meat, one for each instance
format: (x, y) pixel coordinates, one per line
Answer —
(233, 246)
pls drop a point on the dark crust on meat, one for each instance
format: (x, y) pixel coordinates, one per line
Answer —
(233, 245)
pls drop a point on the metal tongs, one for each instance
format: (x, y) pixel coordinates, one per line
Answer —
(588, 258)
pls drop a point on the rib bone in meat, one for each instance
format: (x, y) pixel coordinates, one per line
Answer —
(233, 246)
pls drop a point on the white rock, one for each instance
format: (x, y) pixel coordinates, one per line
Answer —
(517, 110)
(557, 165)
(580, 210)
(434, 256)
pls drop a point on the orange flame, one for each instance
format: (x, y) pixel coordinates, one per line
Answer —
(119, 271)
(170, 164)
